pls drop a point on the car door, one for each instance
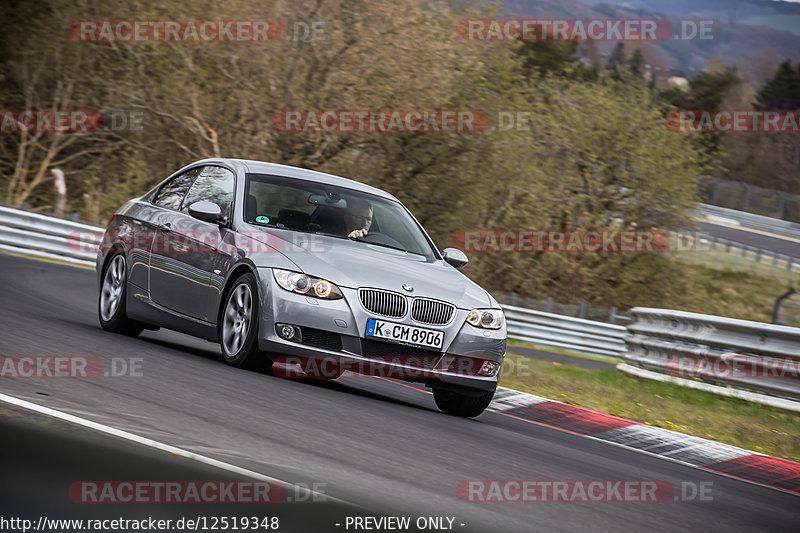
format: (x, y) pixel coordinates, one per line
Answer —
(183, 255)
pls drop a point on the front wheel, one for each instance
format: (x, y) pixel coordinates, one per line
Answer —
(239, 325)
(457, 404)
(111, 302)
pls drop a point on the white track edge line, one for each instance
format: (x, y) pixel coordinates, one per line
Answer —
(159, 445)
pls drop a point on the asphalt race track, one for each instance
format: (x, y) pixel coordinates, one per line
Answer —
(44, 459)
(751, 238)
(373, 443)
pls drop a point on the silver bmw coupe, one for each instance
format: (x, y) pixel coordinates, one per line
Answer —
(304, 274)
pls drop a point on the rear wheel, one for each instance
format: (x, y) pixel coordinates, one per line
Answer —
(239, 326)
(111, 302)
(455, 403)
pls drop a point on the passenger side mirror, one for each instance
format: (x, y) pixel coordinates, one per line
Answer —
(206, 211)
(455, 257)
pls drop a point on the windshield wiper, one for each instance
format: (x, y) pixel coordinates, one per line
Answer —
(329, 235)
(362, 239)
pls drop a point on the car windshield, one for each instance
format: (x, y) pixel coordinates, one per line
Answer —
(307, 206)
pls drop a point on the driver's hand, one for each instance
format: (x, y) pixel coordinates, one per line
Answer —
(357, 233)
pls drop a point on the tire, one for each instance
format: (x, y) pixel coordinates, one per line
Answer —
(112, 298)
(457, 404)
(238, 326)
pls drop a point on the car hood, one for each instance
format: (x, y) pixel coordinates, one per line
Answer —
(355, 264)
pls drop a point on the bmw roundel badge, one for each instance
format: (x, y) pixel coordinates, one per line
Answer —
(407, 287)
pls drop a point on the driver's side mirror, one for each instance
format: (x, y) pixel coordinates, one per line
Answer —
(206, 211)
(455, 257)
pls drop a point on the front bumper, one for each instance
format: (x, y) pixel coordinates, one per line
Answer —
(339, 327)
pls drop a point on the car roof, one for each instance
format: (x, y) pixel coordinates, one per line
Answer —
(262, 167)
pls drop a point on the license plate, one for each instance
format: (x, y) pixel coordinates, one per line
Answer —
(391, 331)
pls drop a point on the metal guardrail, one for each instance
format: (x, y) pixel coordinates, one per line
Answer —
(745, 355)
(748, 198)
(776, 259)
(582, 310)
(561, 332)
(753, 221)
(722, 254)
(44, 236)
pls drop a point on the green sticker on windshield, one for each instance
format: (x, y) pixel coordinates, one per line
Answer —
(262, 220)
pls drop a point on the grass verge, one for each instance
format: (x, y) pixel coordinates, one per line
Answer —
(703, 414)
(525, 344)
(732, 294)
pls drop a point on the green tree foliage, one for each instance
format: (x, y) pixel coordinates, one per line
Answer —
(616, 63)
(706, 92)
(783, 90)
(636, 64)
(542, 57)
(770, 160)
(596, 156)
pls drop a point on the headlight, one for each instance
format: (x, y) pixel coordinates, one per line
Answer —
(486, 318)
(308, 285)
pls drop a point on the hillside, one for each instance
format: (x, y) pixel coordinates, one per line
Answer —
(736, 37)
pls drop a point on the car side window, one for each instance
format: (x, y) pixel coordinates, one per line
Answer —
(271, 198)
(213, 184)
(172, 193)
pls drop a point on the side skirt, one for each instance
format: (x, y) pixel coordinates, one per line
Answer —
(140, 307)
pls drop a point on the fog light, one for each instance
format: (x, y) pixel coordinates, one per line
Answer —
(290, 333)
(488, 369)
(470, 366)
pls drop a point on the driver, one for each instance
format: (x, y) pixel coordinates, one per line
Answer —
(358, 218)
